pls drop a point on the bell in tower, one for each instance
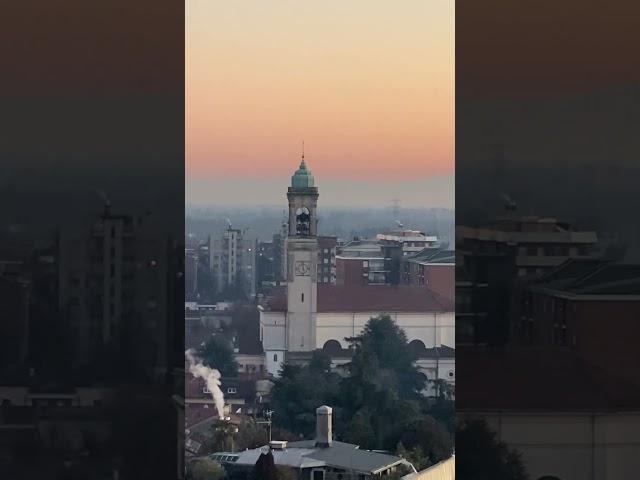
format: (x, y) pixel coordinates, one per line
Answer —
(303, 199)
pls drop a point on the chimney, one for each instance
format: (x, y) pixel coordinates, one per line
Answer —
(323, 426)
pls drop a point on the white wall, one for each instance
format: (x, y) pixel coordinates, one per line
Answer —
(433, 329)
(437, 368)
(274, 360)
(581, 446)
(272, 330)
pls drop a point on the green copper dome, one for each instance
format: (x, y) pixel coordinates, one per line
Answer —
(302, 178)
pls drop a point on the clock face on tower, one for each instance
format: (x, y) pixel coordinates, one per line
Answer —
(303, 269)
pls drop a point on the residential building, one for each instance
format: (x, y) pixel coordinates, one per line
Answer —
(114, 280)
(569, 420)
(410, 241)
(319, 458)
(368, 262)
(266, 273)
(232, 261)
(431, 268)
(327, 260)
(533, 244)
(191, 264)
(566, 308)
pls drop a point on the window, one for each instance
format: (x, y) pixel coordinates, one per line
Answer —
(231, 390)
(302, 297)
(275, 357)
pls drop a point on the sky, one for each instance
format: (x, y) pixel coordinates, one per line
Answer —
(367, 85)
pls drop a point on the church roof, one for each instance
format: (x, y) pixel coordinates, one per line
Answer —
(302, 178)
(372, 298)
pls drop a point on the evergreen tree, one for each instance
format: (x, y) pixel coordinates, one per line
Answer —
(480, 455)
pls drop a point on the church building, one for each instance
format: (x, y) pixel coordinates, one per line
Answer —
(305, 316)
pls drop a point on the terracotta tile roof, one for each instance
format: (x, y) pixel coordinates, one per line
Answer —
(197, 413)
(373, 298)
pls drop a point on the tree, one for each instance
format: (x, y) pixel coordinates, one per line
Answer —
(382, 347)
(444, 411)
(383, 389)
(379, 402)
(217, 353)
(414, 455)
(300, 390)
(427, 435)
(251, 435)
(359, 430)
(223, 438)
(205, 469)
(480, 455)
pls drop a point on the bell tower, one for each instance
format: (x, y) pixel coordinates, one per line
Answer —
(302, 261)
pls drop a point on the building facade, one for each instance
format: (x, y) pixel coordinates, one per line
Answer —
(327, 260)
(306, 316)
(232, 262)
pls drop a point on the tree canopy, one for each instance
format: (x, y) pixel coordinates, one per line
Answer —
(205, 469)
(480, 455)
(218, 353)
(378, 405)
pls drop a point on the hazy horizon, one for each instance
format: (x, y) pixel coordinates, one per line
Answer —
(435, 192)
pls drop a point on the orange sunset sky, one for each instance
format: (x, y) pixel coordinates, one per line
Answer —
(368, 85)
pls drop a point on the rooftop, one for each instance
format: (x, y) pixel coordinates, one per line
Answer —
(305, 454)
(372, 298)
(302, 178)
(593, 277)
(433, 256)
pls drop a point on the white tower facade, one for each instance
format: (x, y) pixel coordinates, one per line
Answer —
(302, 260)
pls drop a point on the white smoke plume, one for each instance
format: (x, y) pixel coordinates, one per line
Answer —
(211, 376)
